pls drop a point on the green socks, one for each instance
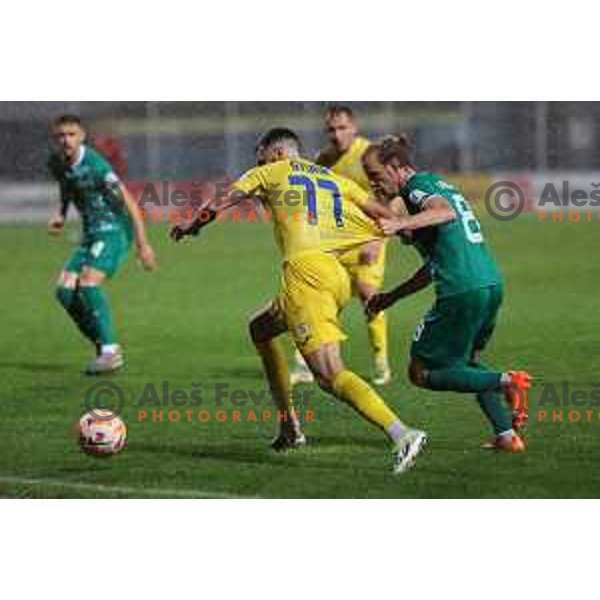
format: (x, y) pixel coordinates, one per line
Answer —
(72, 302)
(96, 302)
(494, 408)
(486, 384)
(463, 380)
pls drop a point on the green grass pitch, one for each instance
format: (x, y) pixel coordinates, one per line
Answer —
(187, 325)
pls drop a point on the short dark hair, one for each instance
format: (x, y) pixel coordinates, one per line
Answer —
(259, 153)
(278, 135)
(398, 148)
(68, 119)
(338, 110)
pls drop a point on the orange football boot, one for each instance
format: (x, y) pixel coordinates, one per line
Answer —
(504, 443)
(516, 396)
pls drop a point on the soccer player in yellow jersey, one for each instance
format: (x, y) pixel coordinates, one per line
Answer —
(346, 155)
(317, 216)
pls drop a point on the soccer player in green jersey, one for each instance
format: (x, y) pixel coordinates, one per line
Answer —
(111, 221)
(446, 353)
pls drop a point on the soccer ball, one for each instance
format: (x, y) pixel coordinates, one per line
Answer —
(102, 433)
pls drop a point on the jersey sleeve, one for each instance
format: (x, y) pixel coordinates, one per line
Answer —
(104, 174)
(354, 193)
(252, 183)
(420, 195)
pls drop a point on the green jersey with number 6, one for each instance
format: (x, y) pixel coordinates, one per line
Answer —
(459, 257)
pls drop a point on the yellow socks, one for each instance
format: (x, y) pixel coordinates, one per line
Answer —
(378, 336)
(351, 389)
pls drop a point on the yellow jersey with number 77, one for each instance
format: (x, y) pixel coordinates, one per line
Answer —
(312, 208)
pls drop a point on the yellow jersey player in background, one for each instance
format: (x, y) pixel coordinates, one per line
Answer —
(317, 217)
(345, 155)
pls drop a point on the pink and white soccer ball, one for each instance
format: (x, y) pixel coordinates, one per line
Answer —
(102, 433)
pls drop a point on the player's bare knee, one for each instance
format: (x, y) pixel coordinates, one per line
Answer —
(326, 365)
(65, 288)
(325, 382)
(86, 282)
(68, 281)
(91, 278)
(325, 376)
(364, 291)
(321, 370)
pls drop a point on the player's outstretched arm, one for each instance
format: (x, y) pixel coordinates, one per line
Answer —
(144, 249)
(418, 282)
(194, 226)
(205, 217)
(437, 211)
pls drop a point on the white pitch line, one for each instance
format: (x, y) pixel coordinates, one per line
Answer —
(108, 489)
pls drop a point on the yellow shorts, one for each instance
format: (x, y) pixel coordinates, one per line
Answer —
(373, 274)
(315, 290)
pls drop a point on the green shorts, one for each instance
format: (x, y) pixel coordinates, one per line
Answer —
(457, 327)
(105, 252)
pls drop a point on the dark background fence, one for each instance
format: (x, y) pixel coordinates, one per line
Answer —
(182, 140)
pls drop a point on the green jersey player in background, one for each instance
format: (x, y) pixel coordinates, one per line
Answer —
(446, 353)
(111, 222)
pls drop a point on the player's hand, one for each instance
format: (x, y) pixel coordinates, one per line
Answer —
(379, 303)
(147, 257)
(56, 225)
(177, 233)
(183, 230)
(391, 227)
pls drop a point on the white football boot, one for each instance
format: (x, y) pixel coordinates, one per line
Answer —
(407, 450)
(105, 364)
